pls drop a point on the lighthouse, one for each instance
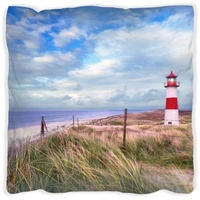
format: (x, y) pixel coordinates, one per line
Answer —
(171, 107)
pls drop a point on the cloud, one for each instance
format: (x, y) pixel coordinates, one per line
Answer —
(45, 59)
(93, 71)
(66, 97)
(51, 65)
(149, 95)
(77, 87)
(26, 33)
(151, 51)
(119, 96)
(65, 36)
(57, 58)
(145, 45)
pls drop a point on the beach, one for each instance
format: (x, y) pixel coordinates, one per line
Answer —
(134, 120)
(31, 133)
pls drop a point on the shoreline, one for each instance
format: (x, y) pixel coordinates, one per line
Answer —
(32, 133)
(90, 115)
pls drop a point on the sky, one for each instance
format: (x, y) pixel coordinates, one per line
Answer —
(98, 58)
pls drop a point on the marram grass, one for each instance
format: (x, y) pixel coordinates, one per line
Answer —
(77, 161)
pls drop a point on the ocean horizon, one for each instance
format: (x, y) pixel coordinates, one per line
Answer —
(22, 119)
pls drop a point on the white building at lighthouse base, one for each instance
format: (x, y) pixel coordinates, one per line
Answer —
(171, 117)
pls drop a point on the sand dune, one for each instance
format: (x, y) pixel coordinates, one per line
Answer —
(27, 134)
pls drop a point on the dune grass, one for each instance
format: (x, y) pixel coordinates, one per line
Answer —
(115, 123)
(85, 159)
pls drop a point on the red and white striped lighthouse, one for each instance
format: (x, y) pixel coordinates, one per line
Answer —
(171, 107)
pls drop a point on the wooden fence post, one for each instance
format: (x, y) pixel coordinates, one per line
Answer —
(125, 121)
(43, 126)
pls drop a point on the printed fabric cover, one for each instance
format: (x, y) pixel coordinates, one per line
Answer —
(100, 99)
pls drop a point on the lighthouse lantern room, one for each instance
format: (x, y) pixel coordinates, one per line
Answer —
(171, 106)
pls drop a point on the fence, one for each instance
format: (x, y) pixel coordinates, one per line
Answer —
(76, 122)
(124, 126)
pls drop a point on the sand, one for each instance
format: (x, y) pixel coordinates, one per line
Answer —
(32, 133)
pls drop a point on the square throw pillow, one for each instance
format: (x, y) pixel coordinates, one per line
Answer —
(100, 99)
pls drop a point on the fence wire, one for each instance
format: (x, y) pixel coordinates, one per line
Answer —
(98, 122)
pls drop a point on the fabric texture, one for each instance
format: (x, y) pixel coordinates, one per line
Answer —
(88, 110)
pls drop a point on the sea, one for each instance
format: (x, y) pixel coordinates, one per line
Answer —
(21, 119)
